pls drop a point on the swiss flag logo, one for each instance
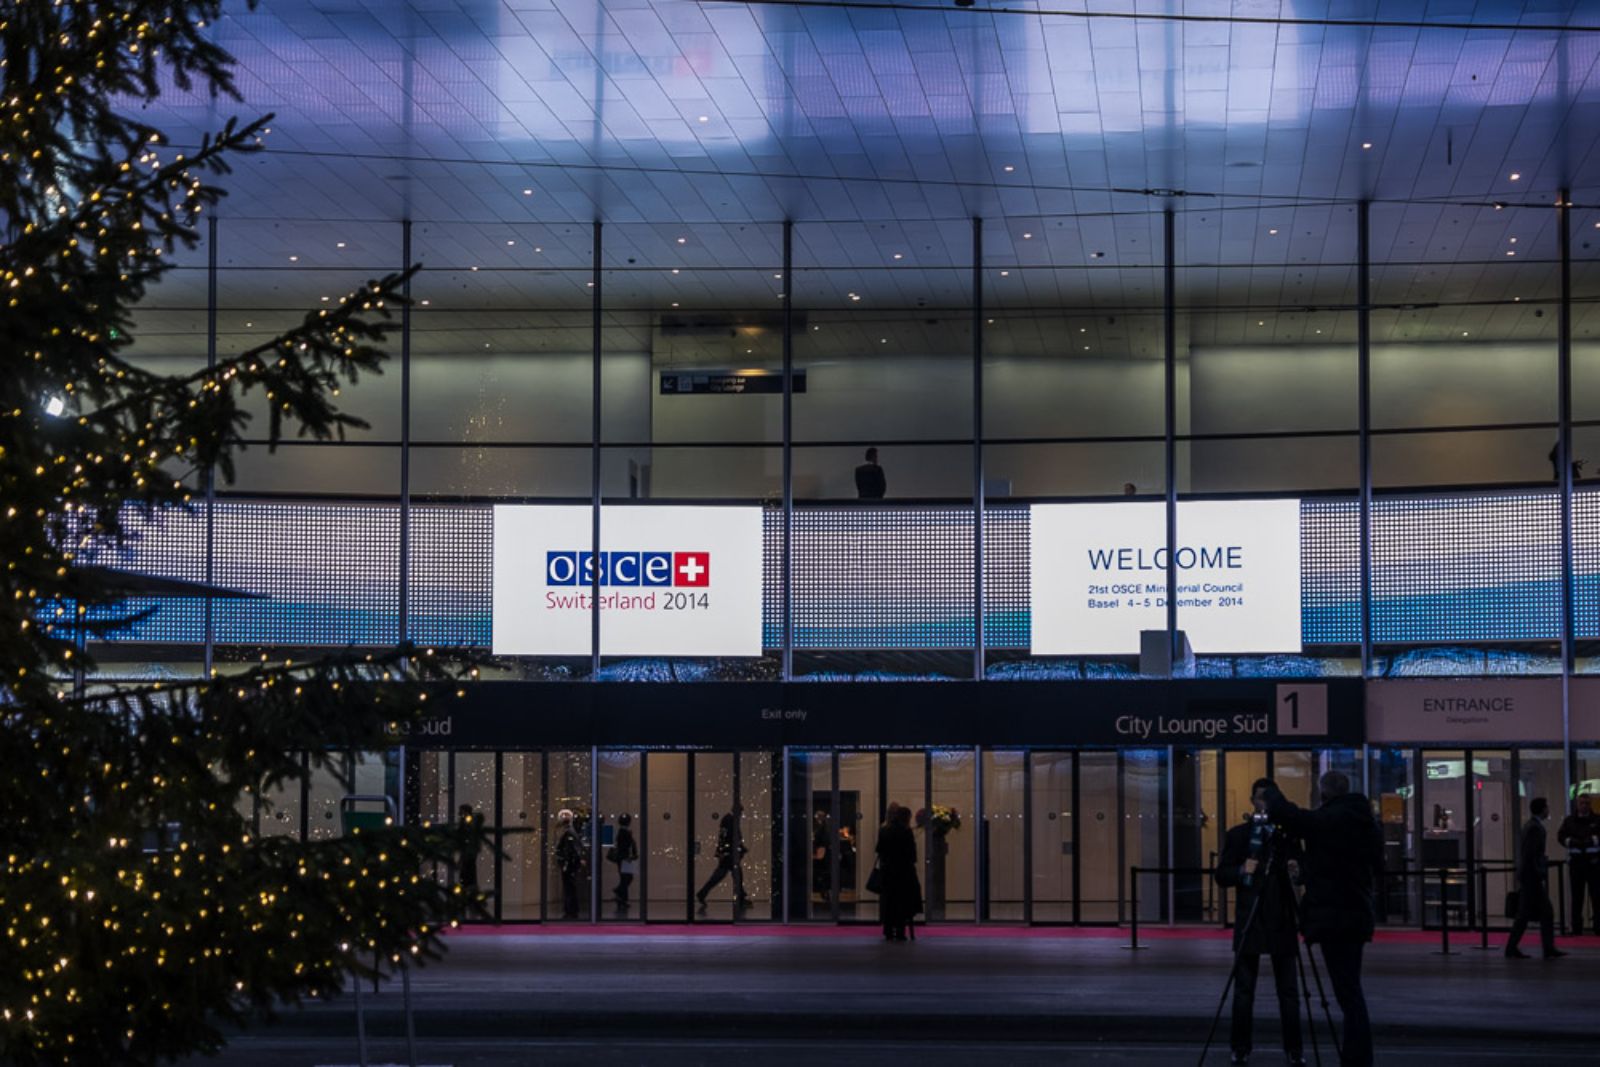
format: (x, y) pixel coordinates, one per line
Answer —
(691, 569)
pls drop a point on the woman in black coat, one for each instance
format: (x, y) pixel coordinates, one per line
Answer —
(900, 891)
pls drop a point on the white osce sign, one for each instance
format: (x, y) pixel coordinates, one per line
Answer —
(1099, 576)
(674, 581)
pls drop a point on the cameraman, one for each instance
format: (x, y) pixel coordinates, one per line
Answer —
(1263, 905)
(1343, 854)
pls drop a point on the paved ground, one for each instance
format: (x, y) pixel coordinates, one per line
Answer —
(846, 997)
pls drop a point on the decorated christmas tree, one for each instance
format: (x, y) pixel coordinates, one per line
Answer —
(141, 915)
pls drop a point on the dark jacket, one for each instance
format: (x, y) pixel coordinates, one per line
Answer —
(1532, 860)
(1272, 930)
(1343, 854)
(900, 898)
(871, 483)
(625, 847)
(727, 837)
(1580, 836)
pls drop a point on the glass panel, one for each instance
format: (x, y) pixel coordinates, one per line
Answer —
(618, 782)
(1051, 838)
(664, 838)
(1144, 840)
(1004, 839)
(1445, 820)
(760, 830)
(812, 822)
(1392, 785)
(1100, 854)
(719, 845)
(522, 840)
(906, 775)
(1296, 774)
(1542, 773)
(279, 811)
(1494, 829)
(860, 811)
(569, 835)
(324, 791)
(952, 855)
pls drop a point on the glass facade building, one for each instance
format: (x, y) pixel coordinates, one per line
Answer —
(1372, 300)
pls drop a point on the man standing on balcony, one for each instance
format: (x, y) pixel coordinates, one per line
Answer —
(870, 482)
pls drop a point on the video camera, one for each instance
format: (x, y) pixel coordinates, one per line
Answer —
(1264, 837)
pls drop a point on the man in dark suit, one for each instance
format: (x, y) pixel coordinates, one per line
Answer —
(1264, 905)
(870, 481)
(1343, 854)
(1580, 836)
(1533, 891)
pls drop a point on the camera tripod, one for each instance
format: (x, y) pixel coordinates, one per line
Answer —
(1264, 869)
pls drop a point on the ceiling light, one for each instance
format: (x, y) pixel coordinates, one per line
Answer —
(1027, 237)
(1513, 240)
(855, 296)
(1005, 274)
(54, 406)
(510, 243)
(486, 344)
(1319, 331)
(777, 276)
(1516, 300)
(683, 240)
(897, 255)
(536, 248)
(324, 300)
(1083, 329)
(474, 268)
(527, 192)
(1261, 322)
(749, 351)
(674, 303)
(591, 285)
(1366, 144)
(294, 259)
(1010, 169)
(1273, 232)
(248, 325)
(425, 303)
(705, 118)
(1097, 255)
(883, 340)
(1463, 333)
(674, 270)
(1086, 348)
(339, 245)
(1510, 252)
(1516, 176)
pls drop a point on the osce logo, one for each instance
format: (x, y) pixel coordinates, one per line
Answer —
(691, 570)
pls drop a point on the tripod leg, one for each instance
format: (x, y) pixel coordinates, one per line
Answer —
(1311, 1020)
(1323, 996)
(1233, 973)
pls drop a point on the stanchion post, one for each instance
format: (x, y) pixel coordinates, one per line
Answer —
(1133, 926)
(1561, 898)
(1483, 901)
(1444, 916)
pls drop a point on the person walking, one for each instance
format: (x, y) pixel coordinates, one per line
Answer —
(624, 852)
(1580, 836)
(1263, 924)
(821, 848)
(1533, 888)
(899, 890)
(871, 484)
(730, 858)
(570, 861)
(1343, 853)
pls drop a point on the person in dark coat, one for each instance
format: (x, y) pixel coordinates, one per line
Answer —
(570, 862)
(870, 481)
(1533, 889)
(900, 891)
(1343, 853)
(821, 847)
(624, 852)
(730, 859)
(1580, 836)
(1263, 924)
